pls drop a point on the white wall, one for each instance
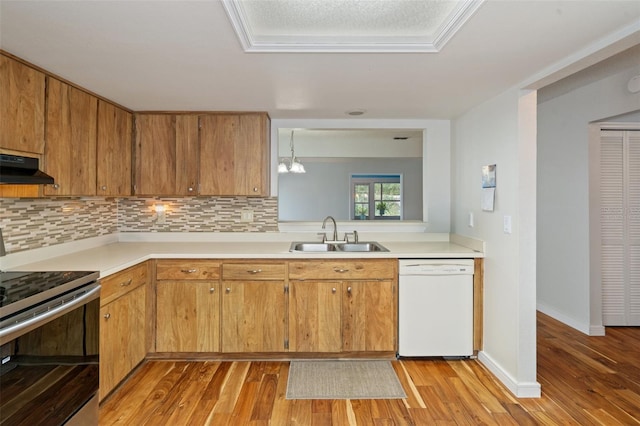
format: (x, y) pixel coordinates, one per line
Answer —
(564, 261)
(502, 132)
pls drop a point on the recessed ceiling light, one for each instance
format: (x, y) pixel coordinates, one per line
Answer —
(356, 112)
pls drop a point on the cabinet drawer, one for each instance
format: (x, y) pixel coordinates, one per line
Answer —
(336, 269)
(253, 271)
(121, 283)
(187, 270)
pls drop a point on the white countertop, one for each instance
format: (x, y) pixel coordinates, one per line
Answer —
(115, 254)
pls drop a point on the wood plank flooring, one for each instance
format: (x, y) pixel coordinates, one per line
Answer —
(585, 381)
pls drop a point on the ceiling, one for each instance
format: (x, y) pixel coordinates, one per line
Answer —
(347, 25)
(186, 56)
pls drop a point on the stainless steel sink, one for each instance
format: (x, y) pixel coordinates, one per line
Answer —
(365, 247)
(313, 247)
(362, 247)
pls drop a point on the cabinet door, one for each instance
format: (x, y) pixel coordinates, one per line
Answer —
(70, 150)
(188, 316)
(166, 154)
(369, 316)
(113, 150)
(187, 163)
(22, 99)
(314, 316)
(253, 316)
(122, 338)
(234, 154)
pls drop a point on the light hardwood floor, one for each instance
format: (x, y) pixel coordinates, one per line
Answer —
(585, 381)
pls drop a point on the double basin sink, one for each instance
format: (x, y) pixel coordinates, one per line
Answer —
(317, 247)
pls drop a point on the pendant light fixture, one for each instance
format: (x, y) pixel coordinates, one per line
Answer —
(294, 165)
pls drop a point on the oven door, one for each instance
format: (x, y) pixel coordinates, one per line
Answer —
(50, 361)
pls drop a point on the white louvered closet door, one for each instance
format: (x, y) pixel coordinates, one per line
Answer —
(620, 226)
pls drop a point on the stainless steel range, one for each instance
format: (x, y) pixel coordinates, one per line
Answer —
(49, 348)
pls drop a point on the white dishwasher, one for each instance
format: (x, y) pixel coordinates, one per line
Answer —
(435, 307)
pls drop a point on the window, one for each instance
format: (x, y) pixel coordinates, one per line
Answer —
(376, 197)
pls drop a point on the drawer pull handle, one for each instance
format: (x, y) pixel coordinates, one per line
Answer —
(211, 290)
(349, 290)
(188, 271)
(126, 283)
(254, 271)
(340, 271)
(107, 316)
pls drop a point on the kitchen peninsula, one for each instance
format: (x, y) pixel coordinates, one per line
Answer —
(180, 297)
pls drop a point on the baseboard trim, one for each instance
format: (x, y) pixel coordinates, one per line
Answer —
(519, 389)
(589, 330)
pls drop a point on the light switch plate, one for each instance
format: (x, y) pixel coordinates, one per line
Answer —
(507, 224)
(246, 216)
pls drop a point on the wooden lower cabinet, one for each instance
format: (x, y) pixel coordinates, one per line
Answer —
(187, 316)
(369, 316)
(123, 325)
(276, 306)
(122, 338)
(253, 316)
(187, 305)
(342, 316)
(315, 316)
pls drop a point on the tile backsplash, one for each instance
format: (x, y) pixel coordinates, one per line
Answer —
(198, 214)
(33, 223)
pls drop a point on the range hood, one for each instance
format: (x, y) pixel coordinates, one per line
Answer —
(15, 169)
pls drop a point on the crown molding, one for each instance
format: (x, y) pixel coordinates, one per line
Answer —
(358, 44)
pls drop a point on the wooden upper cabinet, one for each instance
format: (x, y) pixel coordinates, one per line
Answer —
(234, 154)
(166, 154)
(22, 100)
(113, 150)
(70, 151)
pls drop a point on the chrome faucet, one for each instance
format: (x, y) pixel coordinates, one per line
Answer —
(335, 228)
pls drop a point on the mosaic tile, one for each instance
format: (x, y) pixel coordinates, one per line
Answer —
(40, 222)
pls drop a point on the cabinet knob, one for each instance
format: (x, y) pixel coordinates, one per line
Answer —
(255, 189)
(348, 289)
(103, 187)
(211, 290)
(56, 186)
(126, 283)
(228, 290)
(107, 316)
(190, 189)
(333, 290)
